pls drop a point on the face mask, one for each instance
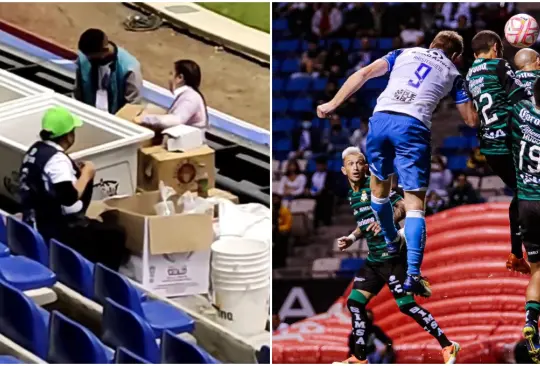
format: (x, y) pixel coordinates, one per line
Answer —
(306, 125)
(336, 127)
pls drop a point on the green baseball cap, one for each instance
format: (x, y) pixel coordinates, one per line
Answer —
(59, 121)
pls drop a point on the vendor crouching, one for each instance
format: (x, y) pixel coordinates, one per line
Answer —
(56, 192)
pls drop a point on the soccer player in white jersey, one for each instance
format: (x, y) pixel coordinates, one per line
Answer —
(399, 135)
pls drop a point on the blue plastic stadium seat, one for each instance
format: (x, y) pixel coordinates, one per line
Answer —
(349, 266)
(290, 45)
(345, 43)
(311, 166)
(283, 144)
(25, 274)
(25, 240)
(467, 131)
(473, 142)
(335, 165)
(302, 105)
(280, 24)
(71, 343)
(24, 322)
(4, 251)
(355, 123)
(376, 84)
(386, 44)
(124, 356)
(160, 315)
(319, 84)
(457, 162)
(277, 85)
(290, 65)
(123, 328)
(276, 64)
(282, 125)
(177, 351)
(263, 356)
(279, 105)
(456, 142)
(3, 229)
(8, 360)
(298, 84)
(72, 269)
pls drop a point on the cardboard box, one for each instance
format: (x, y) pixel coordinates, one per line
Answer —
(130, 111)
(177, 170)
(179, 274)
(183, 138)
(171, 253)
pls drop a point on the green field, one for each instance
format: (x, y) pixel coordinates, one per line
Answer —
(255, 15)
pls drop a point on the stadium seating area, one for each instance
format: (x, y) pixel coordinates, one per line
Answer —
(139, 328)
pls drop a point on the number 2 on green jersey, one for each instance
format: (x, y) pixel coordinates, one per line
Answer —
(485, 109)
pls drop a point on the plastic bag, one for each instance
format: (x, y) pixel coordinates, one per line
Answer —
(165, 207)
(195, 205)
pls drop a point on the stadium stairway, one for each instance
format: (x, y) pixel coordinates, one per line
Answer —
(475, 300)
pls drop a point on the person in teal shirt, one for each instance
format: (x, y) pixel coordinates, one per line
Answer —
(107, 77)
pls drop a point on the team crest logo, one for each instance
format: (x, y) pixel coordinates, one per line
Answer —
(364, 196)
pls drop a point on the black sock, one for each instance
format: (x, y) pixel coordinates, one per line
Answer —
(515, 234)
(360, 327)
(426, 321)
(532, 311)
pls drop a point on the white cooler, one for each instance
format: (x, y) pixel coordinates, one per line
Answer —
(110, 142)
(14, 88)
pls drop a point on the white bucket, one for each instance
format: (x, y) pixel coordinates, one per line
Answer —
(236, 266)
(244, 278)
(242, 308)
(232, 247)
(244, 258)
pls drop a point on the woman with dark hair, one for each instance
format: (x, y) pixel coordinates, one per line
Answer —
(293, 183)
(56, 192)
(189, 105)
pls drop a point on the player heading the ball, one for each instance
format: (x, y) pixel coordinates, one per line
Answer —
(399, 134)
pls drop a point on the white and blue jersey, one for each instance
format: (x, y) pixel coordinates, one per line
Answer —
(399, 137)
(419, 79)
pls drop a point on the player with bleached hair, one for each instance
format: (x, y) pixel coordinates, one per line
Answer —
(399, 135)
(381, 266)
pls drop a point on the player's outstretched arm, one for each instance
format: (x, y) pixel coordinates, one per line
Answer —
(469, 114)
(346, 241)
(351, 86)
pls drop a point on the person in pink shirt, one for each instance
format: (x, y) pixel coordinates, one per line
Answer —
(189, 105)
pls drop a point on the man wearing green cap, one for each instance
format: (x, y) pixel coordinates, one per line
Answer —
(55, 193)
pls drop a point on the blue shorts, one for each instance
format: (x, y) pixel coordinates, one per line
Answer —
(403, 142)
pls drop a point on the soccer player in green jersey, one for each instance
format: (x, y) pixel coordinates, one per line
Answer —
(527, 62)
(494, 89)
(526, 151)
(381, 267)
